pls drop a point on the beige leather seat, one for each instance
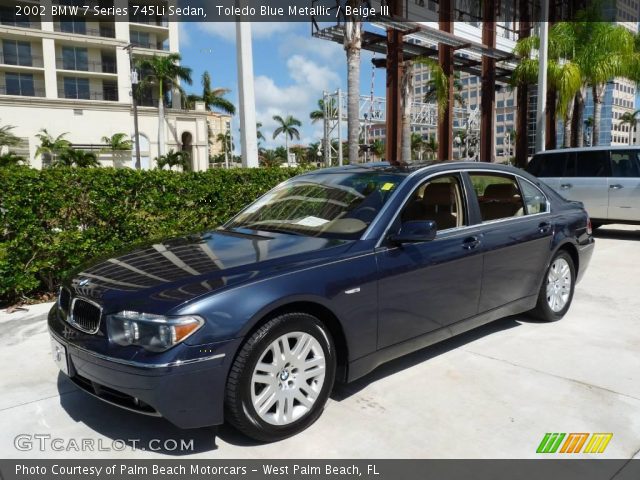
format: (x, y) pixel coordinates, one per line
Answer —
(500, 200)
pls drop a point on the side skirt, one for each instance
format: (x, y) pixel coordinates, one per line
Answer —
(364, 365)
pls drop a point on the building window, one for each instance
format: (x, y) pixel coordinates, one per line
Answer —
(73, 25)
(19, 84)
(75, 58)
(8, 17)
(76, 88)
(500, 118)
(509, 117)
(500, 103)
(140, 39)
(16, 53)
(110, 90)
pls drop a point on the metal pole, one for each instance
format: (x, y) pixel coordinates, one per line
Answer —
(134, 102)
(325, 139)
(248, 132)
(339, 127)
(541, 110)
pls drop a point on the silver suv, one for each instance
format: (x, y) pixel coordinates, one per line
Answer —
(605, 179)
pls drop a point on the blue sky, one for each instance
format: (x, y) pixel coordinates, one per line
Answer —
(291, 69)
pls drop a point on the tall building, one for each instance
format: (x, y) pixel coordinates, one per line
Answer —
(69, 74)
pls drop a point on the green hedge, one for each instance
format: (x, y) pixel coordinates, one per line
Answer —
(53, 220)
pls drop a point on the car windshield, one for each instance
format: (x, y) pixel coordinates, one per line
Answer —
(330, 205)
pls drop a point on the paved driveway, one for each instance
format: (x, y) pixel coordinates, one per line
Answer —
(491, 393)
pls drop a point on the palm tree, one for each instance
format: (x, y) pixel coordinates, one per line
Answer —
(352, 45)
(441, 95)
(564, 76)
(117, 142)
(377, 148)
(164, 73)
(431, 146)
(630, 119)
(432, 92)
(7, 138)
(270, 158)
(10, 159)
(417, 145)
(77, 158)
(259, 134)
(318, 114)
(213, 98)
(181, 158)
(51, 146)
(287, 127)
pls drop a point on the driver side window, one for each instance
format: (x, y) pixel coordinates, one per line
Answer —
(439, 199)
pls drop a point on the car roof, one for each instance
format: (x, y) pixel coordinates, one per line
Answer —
(598, 148)
(431, 166)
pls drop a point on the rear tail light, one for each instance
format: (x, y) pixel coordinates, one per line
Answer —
(589, 228)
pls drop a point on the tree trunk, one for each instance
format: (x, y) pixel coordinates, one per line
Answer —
(597, 91)
(161, 145)
(407, 100)
(578, 124)
(352, 44)
(568, 119)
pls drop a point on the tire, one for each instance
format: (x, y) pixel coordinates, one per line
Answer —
(554, 302)
(281, 378)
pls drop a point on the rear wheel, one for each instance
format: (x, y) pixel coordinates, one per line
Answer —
(556, 291)
(282, 378)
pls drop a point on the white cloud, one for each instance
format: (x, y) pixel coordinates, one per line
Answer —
(259, 30)
(314, 47)
(298, 98)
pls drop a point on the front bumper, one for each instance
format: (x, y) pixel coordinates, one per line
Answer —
(189, 393)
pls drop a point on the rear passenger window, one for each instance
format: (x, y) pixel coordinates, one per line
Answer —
(589, 164)
(498, 195)
(534, 200)
(624, 164)
(552, 165)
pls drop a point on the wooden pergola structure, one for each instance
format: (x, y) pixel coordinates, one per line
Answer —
(493, 65)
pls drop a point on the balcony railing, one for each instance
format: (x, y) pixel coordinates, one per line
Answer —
(35, 92)
(24, 23)
(154, 46)
(97, 67)
(106, 32)
(105, 95)
(157, 22)
(22, 61)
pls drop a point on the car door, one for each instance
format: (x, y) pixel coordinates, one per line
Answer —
(586, 180)
(624, 186)
(424, 287)
(516, 231)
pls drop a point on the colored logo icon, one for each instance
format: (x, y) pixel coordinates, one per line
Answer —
(574, 442)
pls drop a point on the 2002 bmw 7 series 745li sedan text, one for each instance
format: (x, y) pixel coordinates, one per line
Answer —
(321, 279)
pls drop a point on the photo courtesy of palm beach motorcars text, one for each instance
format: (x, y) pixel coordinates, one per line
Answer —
(309, 239)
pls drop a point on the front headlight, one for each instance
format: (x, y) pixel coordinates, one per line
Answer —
(155, 333)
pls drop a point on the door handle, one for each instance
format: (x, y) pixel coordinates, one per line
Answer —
(544, 227)
(616, 186)
(470, 243)
(564, 186)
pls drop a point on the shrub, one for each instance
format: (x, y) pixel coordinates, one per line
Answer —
(53, 220)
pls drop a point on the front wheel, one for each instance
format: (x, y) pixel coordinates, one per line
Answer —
(281, 378)
(556, 292)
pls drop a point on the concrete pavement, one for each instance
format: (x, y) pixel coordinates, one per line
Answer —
(491, 393)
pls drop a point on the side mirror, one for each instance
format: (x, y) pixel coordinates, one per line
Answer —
(415, 232)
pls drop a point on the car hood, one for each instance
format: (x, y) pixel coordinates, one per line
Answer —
(162, 275)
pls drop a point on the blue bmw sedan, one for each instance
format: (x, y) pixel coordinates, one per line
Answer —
(322, 279)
